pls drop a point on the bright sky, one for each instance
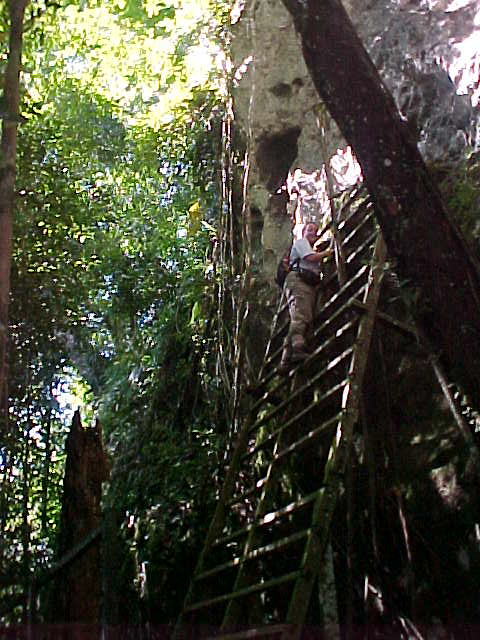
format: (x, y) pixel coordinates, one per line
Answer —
(135, 68)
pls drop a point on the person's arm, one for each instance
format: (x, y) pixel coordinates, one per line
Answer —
(317, 256)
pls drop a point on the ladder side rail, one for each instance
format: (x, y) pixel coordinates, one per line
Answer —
(232, 611)
(218, 519)
(280, 308)
(339, 453)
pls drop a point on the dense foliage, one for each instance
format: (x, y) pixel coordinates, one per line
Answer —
(113, 278)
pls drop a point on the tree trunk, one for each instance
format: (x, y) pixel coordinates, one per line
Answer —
(10, 117)
(427, 247)
(76, 595)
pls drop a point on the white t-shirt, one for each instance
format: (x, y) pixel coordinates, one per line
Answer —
(300, 249)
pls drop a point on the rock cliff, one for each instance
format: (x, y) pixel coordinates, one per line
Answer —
(426, 53)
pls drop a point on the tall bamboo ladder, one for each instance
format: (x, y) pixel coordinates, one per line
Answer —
(268, 537)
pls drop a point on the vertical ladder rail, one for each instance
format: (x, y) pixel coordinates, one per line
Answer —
(231, 613)
(219, 516)
(276, 317)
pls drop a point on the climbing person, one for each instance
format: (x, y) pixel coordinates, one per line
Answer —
(301, 288)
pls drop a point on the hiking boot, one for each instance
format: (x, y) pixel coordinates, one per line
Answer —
(298, 355)
(285, 361)
(299, 349)
(284, 368)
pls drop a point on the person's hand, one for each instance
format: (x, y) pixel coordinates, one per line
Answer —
(328, 250)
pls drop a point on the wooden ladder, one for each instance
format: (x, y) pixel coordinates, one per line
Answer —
(267, 541)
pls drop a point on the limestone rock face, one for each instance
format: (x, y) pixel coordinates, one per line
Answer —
(274, 103)
(426, 54)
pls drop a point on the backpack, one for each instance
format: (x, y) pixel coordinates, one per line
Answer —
(283, 269)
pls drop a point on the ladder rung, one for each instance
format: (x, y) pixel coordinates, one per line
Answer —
(272, 436)
(366, 204)
(345, 306)
(218, 569)
(300, 390)
(333, 299)
(328, 369)
(262, 382)
(359, 250)
(277, 545)
(274, 355)
(283, 308)
(315, 403)
(250, 492)
(333, 338)
(273, 516)
(267, 394)
(278, 332)
(262, 586)
(255, 553)
(356, 229)
(230, 537)
(269, 375)
(309, 436)
(268, 519)
(332, 391)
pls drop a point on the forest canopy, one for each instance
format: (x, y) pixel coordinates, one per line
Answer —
(113, 251)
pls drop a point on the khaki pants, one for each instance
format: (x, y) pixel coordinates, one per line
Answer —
(301, 298)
